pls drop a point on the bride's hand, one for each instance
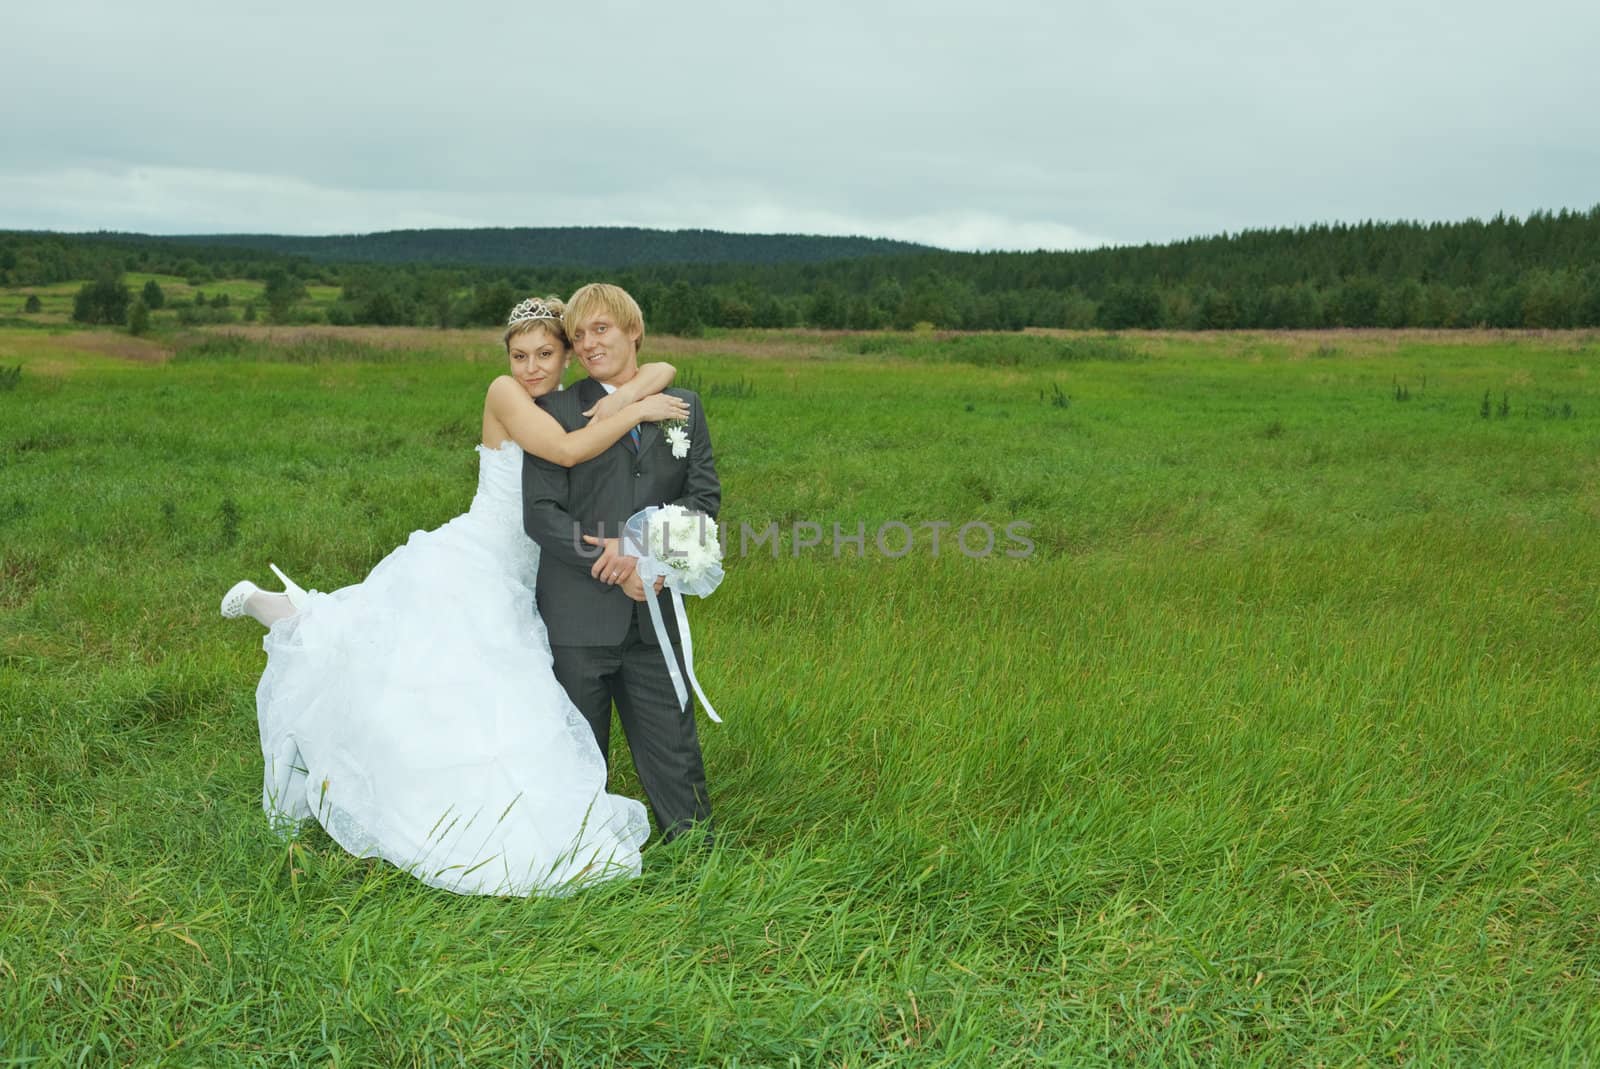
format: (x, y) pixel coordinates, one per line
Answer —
(662, 408)
(609, 405)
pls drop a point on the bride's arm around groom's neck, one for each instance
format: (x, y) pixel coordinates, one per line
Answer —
(546, 495)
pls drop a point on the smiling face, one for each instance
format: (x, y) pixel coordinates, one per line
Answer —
(537, 358)
(609, 352)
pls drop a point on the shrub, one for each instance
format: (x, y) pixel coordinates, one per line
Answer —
(491, 303)
(382, 308)
(104, 300)
(282, 291)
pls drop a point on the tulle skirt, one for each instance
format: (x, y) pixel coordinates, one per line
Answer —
(415, 715)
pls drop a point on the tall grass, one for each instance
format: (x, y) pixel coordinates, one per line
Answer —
(299, 347)
(995, 350)
(1279, 749)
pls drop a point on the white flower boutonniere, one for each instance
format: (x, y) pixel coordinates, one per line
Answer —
(677, 433)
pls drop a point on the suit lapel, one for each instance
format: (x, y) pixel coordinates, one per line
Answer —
(589, 394)
(648, 433)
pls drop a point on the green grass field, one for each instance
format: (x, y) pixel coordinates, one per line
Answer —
(1279, 749)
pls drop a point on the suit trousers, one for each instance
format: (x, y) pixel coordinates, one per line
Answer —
(661, 733)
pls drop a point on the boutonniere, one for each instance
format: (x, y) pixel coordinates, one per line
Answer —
(677, 435)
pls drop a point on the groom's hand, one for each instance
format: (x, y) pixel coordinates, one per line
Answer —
(633, 586)
(613, 567)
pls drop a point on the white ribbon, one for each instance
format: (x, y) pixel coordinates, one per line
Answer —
(688, 652)
(636, 543)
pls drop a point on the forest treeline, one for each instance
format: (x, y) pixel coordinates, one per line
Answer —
(608, 247)
(1542, 271)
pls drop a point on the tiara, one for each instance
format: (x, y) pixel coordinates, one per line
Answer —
(532, 308)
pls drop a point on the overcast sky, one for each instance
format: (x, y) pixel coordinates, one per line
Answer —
(999, 124)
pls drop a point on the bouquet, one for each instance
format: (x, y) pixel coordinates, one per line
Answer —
(677, 544)
(682, 547)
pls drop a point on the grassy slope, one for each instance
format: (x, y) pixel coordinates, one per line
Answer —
(1280, 748)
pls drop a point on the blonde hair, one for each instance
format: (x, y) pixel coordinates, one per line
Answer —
(556, 328)
(614, 301)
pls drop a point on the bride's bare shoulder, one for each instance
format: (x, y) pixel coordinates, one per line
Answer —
(502, 384)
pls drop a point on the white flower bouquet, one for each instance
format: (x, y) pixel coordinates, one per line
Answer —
(681, 547)
(677, 544)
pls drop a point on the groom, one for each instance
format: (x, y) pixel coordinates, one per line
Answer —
(600, 634)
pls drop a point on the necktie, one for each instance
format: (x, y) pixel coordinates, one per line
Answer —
(633, 436)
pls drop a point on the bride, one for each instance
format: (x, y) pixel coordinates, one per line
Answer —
(415, 715)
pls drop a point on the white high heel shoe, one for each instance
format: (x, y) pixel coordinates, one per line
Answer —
(297, 596)
(234, 601)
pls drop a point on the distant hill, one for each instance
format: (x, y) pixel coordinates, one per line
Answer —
(1539, 271)
(566, 246)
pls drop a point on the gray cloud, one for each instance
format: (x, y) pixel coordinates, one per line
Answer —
(1006, 125)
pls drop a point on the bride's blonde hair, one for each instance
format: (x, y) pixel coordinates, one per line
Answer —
(538, 313)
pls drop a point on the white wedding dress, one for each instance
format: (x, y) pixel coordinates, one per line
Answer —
(416, 717)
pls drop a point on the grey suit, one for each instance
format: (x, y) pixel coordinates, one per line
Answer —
(603, 641)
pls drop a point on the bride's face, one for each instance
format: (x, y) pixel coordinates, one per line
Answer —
(537, 361)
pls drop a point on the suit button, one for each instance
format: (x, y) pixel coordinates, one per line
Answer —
(637, 474)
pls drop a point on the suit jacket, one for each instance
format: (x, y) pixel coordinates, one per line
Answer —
(560, 505)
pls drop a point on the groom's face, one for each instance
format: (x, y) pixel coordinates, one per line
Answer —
(608, 353)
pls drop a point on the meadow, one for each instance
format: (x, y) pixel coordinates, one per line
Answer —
(1278, 747)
